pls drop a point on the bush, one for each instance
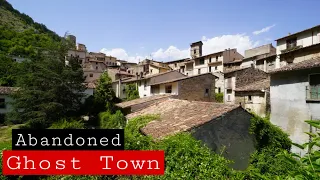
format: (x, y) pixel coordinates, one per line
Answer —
(219, 97)
(265, 162)
(131, 92)
(68, 124)
(107, 120)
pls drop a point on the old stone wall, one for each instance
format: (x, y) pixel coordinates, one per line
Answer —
(232, 132)
(195, 88)
(249, 75)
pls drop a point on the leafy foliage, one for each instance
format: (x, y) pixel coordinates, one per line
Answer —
(112, 121)
(308, 166)
(132, 92)
(48, 89)
(104, 94)
(268, 135)
(68, 124)
(219, 97)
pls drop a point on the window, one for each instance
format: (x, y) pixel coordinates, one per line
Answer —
(209, 68)
(168, 89)
(207, 92)
(175, 65)
(216, 68)
(145, 85)
(219, 90)
(216, 58)
(195, 51)
(96, 63)
(2, 104)
(201, 61)
(210, 60)
(199, 71)
(91, 75)
(249, 98)
(291, 43)
(313, 91)
(96, 67)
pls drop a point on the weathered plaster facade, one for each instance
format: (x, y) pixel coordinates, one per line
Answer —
(303, 46)
(289, 105)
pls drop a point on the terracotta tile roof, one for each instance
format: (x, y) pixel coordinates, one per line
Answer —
(307, 64)
(180, 115)
(182, 78)
(142, 100)
(255, 86)
(7, 90)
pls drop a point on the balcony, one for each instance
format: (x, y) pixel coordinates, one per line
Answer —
(313, 93)
(291, 48)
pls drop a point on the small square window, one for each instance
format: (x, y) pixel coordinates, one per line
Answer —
(216, 68)
(249, 98)
(91, 75)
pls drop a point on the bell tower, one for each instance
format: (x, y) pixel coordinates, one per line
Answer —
(196, 49)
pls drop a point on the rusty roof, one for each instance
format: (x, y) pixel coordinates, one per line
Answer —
(255, 86)
(180, 115)
(182, 78)
(306, 64)
(7, 90)
(142, 100)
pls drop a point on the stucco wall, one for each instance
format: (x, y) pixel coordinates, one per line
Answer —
(305, 39)
(257, 103)
(231, 131)
(194, 89)
(95, 75)
(174, 85)
(289, 108)
(259, 50)
(144, 91)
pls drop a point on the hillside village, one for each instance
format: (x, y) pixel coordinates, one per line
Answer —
(230, 103)
(281, 81)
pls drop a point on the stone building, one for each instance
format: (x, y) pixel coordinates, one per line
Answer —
(223, 128)
(214, 63)
(262, 57)
(298, 47)
(150, 67)
(143, 83)
(255, 97)
(247, 81)
(196, 88)
(295, 98)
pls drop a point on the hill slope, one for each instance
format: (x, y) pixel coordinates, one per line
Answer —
(11, 18)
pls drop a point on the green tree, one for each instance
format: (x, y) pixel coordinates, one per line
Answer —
(132, 92)
(48, 89)
(104, 95)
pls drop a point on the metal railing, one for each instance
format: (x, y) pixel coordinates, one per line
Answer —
(313, 92)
